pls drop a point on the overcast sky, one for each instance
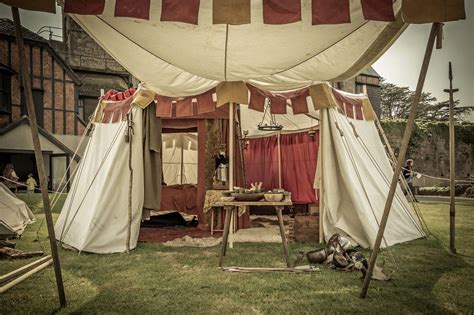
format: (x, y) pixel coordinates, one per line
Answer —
(400, 64)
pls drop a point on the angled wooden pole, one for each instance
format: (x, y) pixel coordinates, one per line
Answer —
(25, 76)
(452, 163)
(401, 157)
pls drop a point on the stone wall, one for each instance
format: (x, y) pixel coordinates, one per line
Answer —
(429, 148)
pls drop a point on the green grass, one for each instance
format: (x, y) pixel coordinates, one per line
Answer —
(158, 279)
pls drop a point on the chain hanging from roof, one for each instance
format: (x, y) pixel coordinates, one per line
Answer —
(263, 125)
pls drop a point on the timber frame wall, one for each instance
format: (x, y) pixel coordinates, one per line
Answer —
(50, 76)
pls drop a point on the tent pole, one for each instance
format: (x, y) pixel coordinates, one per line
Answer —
(182, 160)
(321, 184)
(26, 80)
(231, 146)
(401, 157)
(452, 163)
(279, 159)
(231, 168)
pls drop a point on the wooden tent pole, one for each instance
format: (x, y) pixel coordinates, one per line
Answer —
(401, 157)
(279, 158)
(452, 163)
(321, 184)
(231, 152)
(25, 76)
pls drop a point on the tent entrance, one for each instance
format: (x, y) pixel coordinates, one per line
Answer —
(180, 158)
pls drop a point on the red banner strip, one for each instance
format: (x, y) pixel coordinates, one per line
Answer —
(205, 103)
(358, 112)
(163, 107)
(281, 11)
(299, 104)
(184, 107)
(277, 105)
(139, 9)
(84, 7)
(330, 12)
(186, 11)
(257, 99)
(349, 110)
(378, 10)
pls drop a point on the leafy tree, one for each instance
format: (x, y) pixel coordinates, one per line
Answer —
(396, 102)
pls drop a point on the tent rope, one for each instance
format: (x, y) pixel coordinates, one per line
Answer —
(418, 225)
(354, 165)
(386, 180)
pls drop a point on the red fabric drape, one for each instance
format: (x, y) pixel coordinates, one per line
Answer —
(299, 155)
(261, 162)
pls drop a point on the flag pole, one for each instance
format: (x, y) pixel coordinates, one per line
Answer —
(401, 156)
(26, 80)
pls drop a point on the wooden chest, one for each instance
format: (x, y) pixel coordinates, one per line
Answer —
(306, 229)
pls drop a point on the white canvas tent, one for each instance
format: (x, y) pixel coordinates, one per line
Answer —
(96, 216)
(13, 211)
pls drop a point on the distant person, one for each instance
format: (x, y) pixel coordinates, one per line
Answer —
(409, 174)
(11, 178)
(31, 184)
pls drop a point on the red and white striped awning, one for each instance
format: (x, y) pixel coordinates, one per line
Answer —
(187, 47)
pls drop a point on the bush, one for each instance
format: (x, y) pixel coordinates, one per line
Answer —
(460, 190)
(469, 192)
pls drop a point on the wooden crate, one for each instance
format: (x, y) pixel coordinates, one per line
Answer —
(306, 229)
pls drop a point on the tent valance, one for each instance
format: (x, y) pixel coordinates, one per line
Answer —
(301, 101)
(274, 11)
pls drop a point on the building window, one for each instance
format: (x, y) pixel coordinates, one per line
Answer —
(38, 103)
(86, 107)
(5, 93)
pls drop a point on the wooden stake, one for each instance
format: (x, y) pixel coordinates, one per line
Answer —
(25, 76)
(452, 163)
(401, 157)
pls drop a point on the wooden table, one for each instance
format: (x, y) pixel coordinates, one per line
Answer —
(230, 206)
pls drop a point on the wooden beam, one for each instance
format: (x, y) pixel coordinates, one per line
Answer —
(25, 276)
(21, 270)
(38, 155)
(401, 157)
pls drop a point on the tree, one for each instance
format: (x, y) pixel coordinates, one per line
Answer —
(396, 102)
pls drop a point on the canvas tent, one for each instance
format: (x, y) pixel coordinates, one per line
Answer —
(13, 211)
(263, 53)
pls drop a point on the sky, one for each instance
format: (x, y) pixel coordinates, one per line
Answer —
(400, 64)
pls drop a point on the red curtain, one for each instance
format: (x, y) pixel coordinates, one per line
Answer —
(299, 155)
(261, 162)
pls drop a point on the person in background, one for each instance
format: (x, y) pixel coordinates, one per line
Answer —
(409, 174)
(31, 184)
(11, 177)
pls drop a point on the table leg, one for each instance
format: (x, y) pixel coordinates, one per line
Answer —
(279, 210)
(212, 221)
(225, 235)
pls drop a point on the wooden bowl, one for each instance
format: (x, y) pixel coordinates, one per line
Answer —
(273, 197)
(248, 197)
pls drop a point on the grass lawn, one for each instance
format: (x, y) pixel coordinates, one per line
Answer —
(158, 279)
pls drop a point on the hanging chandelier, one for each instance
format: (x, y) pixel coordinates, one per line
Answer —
(272, 125)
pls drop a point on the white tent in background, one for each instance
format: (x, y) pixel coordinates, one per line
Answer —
(179, 154)
(13, 211)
